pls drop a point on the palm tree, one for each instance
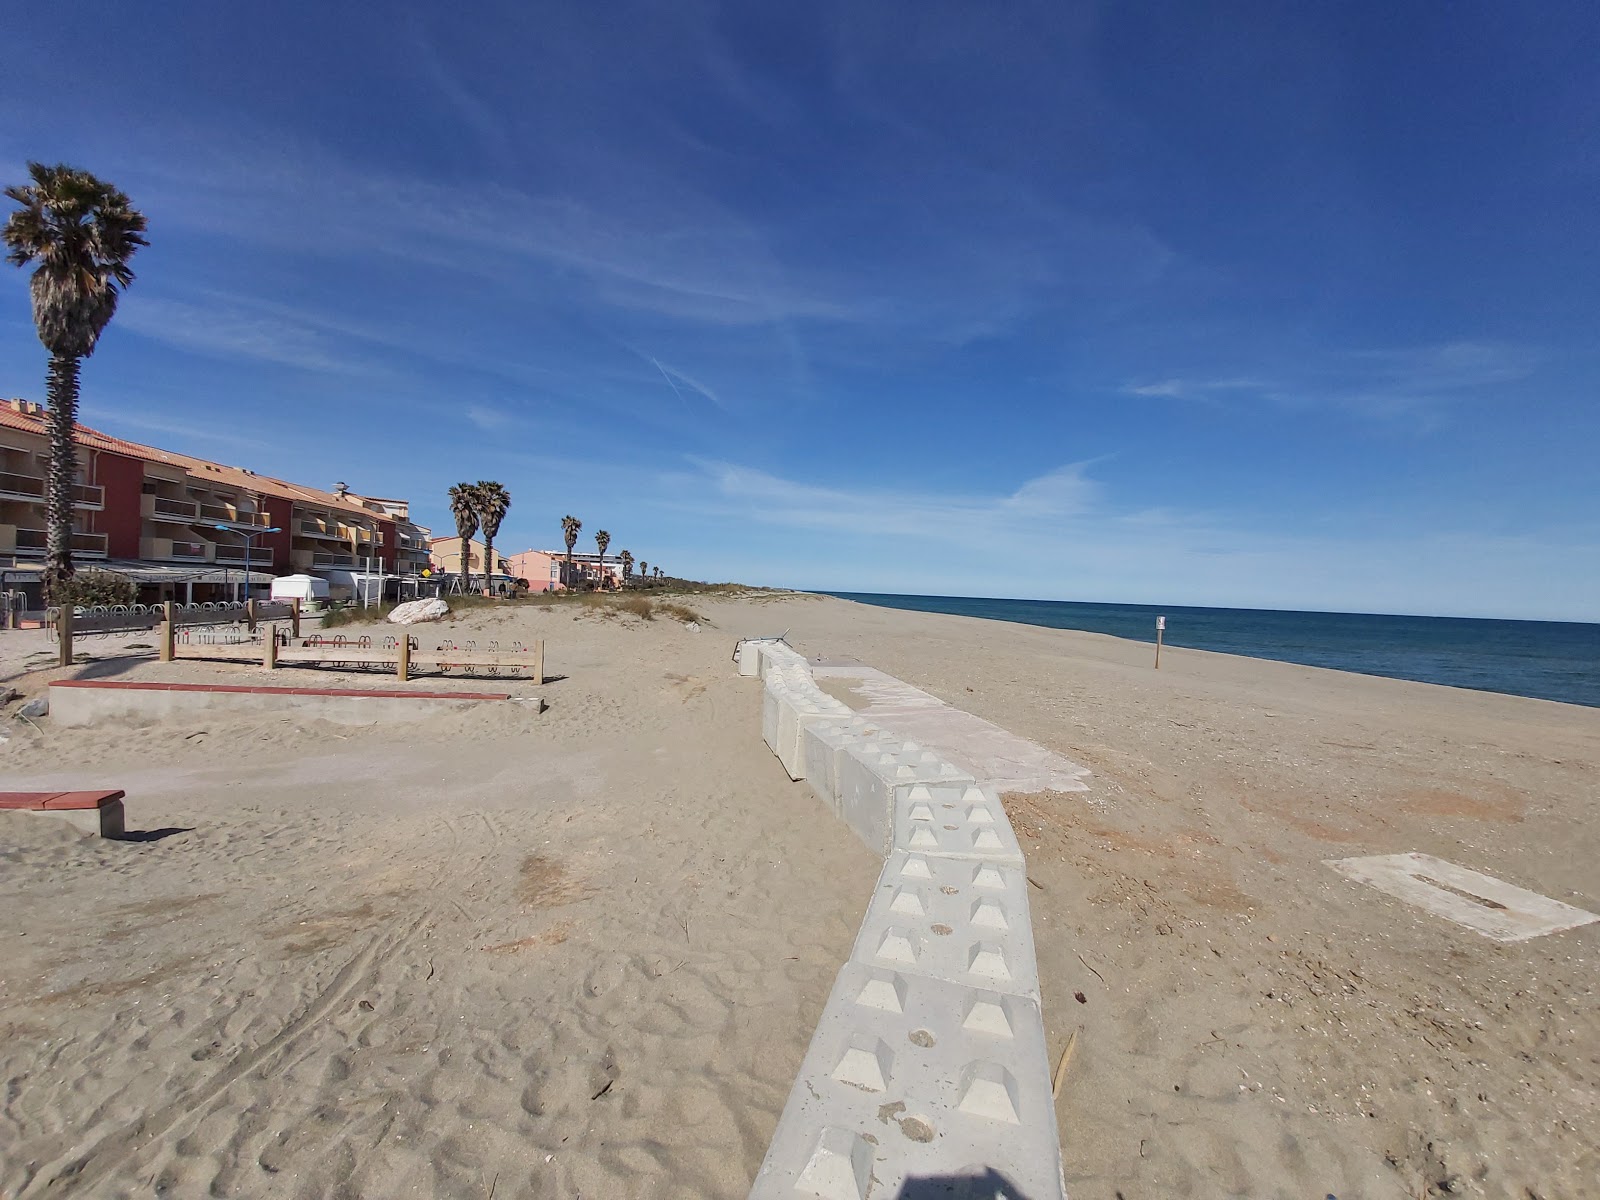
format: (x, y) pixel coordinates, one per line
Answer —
(658, 573)
(627, 566)
(601, 539)
(491, 503)
(82, 232)
(644, 569)
(464, 508)
(570, 527)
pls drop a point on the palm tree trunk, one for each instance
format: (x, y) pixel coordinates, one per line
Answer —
(488, 564)
(62, 391)
(466, 565)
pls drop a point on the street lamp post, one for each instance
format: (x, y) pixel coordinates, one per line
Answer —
(250, 537)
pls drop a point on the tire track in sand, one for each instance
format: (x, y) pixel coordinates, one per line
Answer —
(119, 1149)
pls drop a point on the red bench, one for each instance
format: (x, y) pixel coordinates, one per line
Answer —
(92, 812)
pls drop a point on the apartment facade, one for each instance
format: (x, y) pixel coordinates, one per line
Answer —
(186, 528)
(445, 555)
(546, 570)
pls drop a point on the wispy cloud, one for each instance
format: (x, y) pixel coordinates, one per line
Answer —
(490, 420)
(1062, 536)
(232, 332)
(675, 377)
(971, 519)
(114, 419)
(1417, 382)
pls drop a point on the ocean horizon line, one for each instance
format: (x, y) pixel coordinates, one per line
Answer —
(1164, 608)
(1541, 660)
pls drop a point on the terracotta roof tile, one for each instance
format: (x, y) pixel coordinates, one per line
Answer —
(238, 477)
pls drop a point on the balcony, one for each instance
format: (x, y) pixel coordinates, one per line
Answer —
(89, 545)
(170, 550)
(261, 556)
(323, 560)
(15, 486)
(318, 529)
(160, 508)
(220, 515)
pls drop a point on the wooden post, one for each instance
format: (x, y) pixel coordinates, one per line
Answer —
(269, 659)
(538, 661)
(64, 633)
(403, 664)
(167, 632)
(250, 614)
(1161, 626)
(294, 617)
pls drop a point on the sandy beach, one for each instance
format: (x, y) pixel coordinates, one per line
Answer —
(582, 953)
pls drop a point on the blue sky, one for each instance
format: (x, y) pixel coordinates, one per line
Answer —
(1241, 304)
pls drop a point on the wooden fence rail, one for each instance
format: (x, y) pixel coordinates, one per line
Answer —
(402, 657)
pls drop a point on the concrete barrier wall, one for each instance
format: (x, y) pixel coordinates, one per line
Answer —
(927, 1074)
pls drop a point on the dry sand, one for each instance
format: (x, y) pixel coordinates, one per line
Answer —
(581, 954)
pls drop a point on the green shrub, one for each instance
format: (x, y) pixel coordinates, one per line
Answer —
(96, 586)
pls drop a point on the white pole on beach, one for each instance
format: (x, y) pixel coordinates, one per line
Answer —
(1161, 625)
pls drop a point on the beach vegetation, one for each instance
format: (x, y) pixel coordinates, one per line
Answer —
(78, 232)
(86, 589)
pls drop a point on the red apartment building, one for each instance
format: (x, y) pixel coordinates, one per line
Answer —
(179, 526)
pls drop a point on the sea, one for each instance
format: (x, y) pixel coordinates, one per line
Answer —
(1548, 660)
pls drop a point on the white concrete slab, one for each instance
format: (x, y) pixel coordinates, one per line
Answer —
(916, 1087)
(961, 920)
(1481, 902)
(960, 821)
(994, 756)
(823, 742)
(873, 773)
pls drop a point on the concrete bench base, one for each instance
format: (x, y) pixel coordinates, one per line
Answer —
(88, 701)
(92, 812)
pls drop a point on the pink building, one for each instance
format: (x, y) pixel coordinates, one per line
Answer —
(542, 572)
(545, 569)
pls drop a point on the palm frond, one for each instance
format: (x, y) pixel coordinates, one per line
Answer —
(80, 233)
(464, 508)
(492, 504)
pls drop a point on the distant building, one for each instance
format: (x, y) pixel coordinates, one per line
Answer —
(445, 558)
(184, 528)
(546, 570)
(542, 572)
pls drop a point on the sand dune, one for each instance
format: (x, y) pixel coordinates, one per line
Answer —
(581, 954)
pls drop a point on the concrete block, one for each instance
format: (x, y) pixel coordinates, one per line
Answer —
(749, 656)
(776, 653)
(873, 773)
(914, 1085)
(822, 743)
(963, 920)
(107, 821)
(795, 714)
(769, 717)
(954, 821)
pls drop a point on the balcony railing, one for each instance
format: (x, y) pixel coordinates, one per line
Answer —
(261, 556)
(175, 510)
(349, 562)
(231, 516)
(32, 541)
(189, 550)
(31, 487)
